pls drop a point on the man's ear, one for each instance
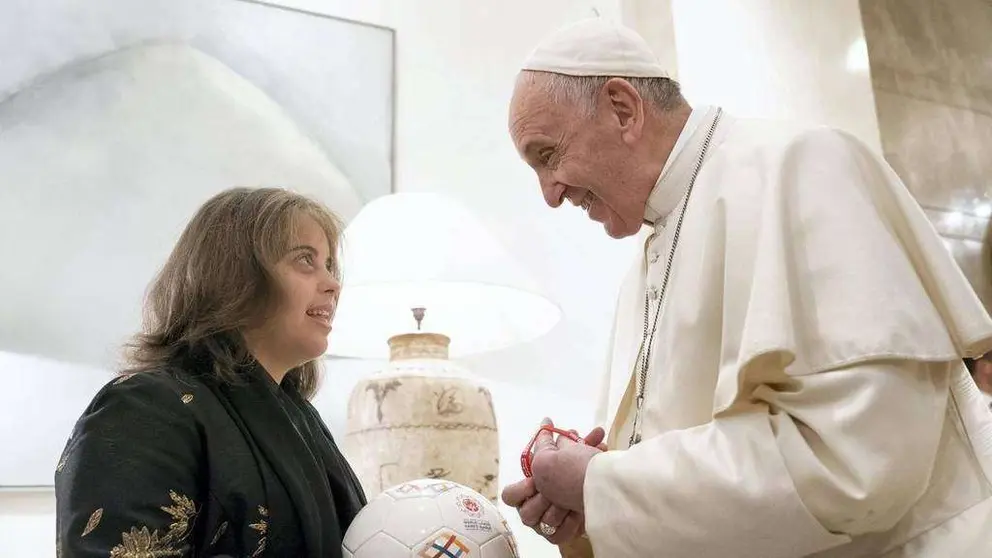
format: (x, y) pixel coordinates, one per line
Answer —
(626, 107)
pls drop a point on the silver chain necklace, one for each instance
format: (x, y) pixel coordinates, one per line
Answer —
(643, 361)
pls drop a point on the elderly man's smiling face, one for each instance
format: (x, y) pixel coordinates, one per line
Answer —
(592, 160)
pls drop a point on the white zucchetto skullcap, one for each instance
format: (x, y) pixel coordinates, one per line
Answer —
(595, 47)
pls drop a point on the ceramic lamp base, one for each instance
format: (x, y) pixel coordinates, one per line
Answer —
(422, 417)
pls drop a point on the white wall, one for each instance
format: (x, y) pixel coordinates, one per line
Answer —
(803, 61)
(49, 397)
(27, 523)
(45, 399)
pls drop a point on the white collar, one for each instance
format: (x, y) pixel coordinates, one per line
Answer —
(662, 201)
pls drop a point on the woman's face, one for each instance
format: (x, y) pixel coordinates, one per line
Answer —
(296, 330)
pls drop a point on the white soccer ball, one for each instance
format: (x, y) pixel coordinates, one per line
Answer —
(429, 518)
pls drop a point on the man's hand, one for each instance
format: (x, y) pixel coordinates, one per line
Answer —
(560, 469)
(535, 509)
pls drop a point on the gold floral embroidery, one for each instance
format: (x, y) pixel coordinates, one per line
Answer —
(93, 522)
(142, 543)
(187, 398)
(220, 531)
(61, 464)
(262, 526)
(65, 453)
(182, 512)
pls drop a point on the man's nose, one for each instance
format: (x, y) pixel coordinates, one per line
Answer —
(554, 193)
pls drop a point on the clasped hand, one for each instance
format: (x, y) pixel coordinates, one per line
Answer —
(554, 494)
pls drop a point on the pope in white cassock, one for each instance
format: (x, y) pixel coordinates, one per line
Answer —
(785, 375)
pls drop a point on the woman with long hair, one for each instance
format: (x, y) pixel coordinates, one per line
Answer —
(207, 445)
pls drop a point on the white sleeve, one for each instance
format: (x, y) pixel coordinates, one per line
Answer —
(811, 462)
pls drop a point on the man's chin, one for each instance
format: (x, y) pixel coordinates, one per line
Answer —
(618, 230)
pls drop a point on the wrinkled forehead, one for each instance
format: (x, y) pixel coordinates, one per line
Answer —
(523, 95)
(532, 111)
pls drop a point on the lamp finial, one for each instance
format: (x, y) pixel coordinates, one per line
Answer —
(418, 314)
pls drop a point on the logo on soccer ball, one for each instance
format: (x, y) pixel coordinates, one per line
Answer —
(469, 505)
(419, 489)
(441, 487)
(445, 545)
(406, 489)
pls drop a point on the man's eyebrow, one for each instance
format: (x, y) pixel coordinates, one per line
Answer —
(533, 147)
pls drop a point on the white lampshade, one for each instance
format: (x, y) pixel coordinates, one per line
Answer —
(423, 250)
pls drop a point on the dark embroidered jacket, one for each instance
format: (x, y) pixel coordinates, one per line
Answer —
(176, 464)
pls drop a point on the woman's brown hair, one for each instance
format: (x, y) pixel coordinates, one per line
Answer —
(218, 281)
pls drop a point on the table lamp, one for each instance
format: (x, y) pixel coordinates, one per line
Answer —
(424, 282)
